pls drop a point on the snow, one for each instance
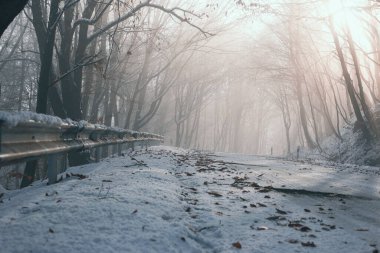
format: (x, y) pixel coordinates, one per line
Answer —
(12, 119)
(173, 200)
(352, 149)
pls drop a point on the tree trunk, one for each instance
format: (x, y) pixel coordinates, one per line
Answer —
(46, 55)
(362, 98)
(349, 86)
(309, 141)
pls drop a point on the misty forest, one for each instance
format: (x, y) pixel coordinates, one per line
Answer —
(233, 76)
(283, 81)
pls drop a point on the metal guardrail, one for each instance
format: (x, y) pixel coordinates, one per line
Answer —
(34, 140)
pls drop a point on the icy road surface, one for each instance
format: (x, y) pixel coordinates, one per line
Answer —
(171, 200)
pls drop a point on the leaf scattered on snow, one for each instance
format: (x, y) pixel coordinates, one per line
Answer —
(280, 211)
(273, 218)
(305, 229)
(309, 244)
(215, 194)
(79, 176)
(295, 225)
(51, 230)
(243, 199)
(237, 245)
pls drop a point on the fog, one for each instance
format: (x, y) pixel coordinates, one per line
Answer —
(259, 77)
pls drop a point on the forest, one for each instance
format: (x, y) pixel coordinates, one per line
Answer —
(189, 126)
(275, 77)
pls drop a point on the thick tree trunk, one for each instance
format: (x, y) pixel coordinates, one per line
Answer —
(46, 51)
(56, 102)
(88, 86)
(72, 97)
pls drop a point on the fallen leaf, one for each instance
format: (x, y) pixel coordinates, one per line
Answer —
(262, 228)
(306, 210)
(237, 245)
(362, 229)
(294, 225)
(309, 244)
(135, 211)
(280, 211)
(79, 176)
(51, 230)
(215, 194)
(255, 185)
(305, 229)
(273, 217)
(265, 190)
(292, 241)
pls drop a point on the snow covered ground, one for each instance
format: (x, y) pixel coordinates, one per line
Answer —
(172, 200)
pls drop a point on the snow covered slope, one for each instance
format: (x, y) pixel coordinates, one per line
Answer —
(172, 200)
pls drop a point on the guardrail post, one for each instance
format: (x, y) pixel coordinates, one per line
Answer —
(52, 169)
(29, 172)
(64, 162)
(97, 154)
(105, 151)
(119, 149)
(133, 146)
(114, 149)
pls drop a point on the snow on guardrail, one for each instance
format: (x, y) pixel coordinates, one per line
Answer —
(26, 136)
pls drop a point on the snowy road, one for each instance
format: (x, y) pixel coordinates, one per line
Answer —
(169, 200)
